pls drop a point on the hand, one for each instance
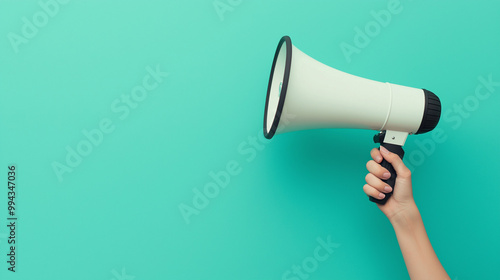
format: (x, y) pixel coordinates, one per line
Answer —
(401, 202)
(420, 258)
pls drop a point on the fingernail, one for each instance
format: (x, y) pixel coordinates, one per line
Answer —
(378, 158)
(384, 150)
(387, 189)
(386, 175)
(381, 195)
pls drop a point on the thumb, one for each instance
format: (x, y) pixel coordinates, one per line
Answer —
(396, 162)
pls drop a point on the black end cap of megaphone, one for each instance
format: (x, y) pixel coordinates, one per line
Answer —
(432, 112)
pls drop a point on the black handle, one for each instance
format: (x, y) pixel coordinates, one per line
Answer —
(392, 180)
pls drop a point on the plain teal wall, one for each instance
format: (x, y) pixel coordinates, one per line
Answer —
(115, 213)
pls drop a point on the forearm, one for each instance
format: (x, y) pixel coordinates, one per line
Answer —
(420, 258)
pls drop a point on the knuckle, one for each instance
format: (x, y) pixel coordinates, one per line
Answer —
(367, 177)
(368, 164)
(370, 190)
(405, 173)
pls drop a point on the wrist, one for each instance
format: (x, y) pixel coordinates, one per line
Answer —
(408, 216)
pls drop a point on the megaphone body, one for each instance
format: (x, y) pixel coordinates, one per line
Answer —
(319, 96)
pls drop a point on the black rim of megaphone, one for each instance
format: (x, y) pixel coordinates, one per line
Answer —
(269, 134)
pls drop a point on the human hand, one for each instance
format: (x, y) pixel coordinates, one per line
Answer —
(420, 258)
(401, 202)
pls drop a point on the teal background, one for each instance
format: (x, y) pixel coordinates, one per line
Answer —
(116, 215)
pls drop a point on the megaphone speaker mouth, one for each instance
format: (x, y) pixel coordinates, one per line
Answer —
(277, 87)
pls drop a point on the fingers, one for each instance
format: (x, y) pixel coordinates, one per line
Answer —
(401, 170)
(375, 187)
(371, 191)
(377, 170)
(377, 184)
(376, 156)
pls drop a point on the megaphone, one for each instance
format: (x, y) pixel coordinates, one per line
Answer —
(319, 96)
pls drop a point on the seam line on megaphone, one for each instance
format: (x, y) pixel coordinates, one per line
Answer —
(390, 106)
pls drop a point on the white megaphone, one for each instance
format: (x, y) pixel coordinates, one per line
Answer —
(318, 96)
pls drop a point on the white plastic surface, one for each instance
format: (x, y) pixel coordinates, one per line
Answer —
(319, 96)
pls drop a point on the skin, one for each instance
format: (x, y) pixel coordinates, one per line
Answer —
(401, 210)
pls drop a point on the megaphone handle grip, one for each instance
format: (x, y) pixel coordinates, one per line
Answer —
(392, 180)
